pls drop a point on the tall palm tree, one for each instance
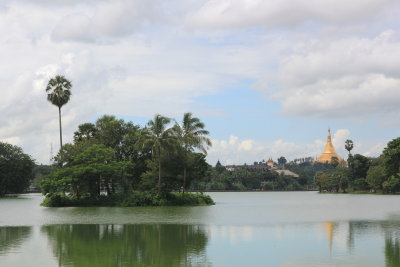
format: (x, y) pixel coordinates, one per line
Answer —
(192, 136)
(58, 93)
(158, 138)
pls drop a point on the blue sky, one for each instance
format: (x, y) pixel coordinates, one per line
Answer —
(267, 77)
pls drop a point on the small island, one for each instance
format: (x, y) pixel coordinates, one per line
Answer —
(117, 163)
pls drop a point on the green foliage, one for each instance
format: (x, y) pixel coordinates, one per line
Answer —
(88, 172)
(282, 160)
(56, 200)
(349, 145)
(325, 181)
(243, 178)
(132, 199)
(58, 91)
(334, 161)
(392, 185)
(16, 169)
(111, 158)
(391, 157)
(188, 199)
(358, 165)
(376, 177)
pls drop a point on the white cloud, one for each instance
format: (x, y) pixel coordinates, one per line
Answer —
(342, 78)
(110, 19)
(272, 13)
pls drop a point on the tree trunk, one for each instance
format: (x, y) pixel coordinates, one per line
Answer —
(59, 118)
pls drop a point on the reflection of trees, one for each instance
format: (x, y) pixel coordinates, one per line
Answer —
(391, 232)
(128, 245)
(392, 252)
(12, 237)
(392, 243)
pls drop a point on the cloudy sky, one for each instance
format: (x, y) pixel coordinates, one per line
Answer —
(268, 77)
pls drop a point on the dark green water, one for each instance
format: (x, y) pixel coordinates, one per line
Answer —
(243, 229)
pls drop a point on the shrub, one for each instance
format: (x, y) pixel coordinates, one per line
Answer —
(189, 199)
(133, 199)
(56, 200)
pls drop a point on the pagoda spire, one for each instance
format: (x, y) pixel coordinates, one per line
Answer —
(329, 151)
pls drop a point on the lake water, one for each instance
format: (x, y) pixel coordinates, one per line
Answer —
(242, 229)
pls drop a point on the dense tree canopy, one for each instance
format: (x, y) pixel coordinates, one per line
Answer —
(112, 156)
(16, 169)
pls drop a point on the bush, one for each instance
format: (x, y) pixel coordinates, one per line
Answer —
(392, 185)
(138, 198)
(189, 199)
(56, 200)
(133, 199)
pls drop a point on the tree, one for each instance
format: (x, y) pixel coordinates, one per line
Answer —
(392, 185)
(16, 169)
(359, 168)
(334, 161)
(85, 131)
(192, 136)
(349, 145)
(158, 138)
(87, 173)
(391, 157)
(58, 93)
(376, 177)
(282, 161)
(219, 168)
(327, 181)
(341, 177)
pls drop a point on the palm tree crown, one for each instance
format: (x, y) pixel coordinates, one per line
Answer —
(192, 133)
(59, 91)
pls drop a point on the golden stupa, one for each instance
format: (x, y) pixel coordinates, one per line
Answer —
(329, 151)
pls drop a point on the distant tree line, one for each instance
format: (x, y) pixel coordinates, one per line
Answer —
(243, 178)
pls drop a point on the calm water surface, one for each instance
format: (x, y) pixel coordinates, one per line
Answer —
(243, 229)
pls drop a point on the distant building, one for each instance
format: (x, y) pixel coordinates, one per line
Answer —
(329, 152)
(247, 167)
(287, 173)
(270, 165)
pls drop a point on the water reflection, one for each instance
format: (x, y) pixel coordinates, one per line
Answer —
(390, 230)
(330, 243)
(11, 238)
(128, 245)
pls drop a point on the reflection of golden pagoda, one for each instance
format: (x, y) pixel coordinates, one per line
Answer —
(329, 151)
(329, 230)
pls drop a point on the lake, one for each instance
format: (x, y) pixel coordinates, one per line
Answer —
(242, 229)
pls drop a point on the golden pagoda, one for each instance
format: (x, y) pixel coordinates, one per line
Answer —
(329, 151)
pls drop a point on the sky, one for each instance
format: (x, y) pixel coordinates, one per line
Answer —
(267, 77)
